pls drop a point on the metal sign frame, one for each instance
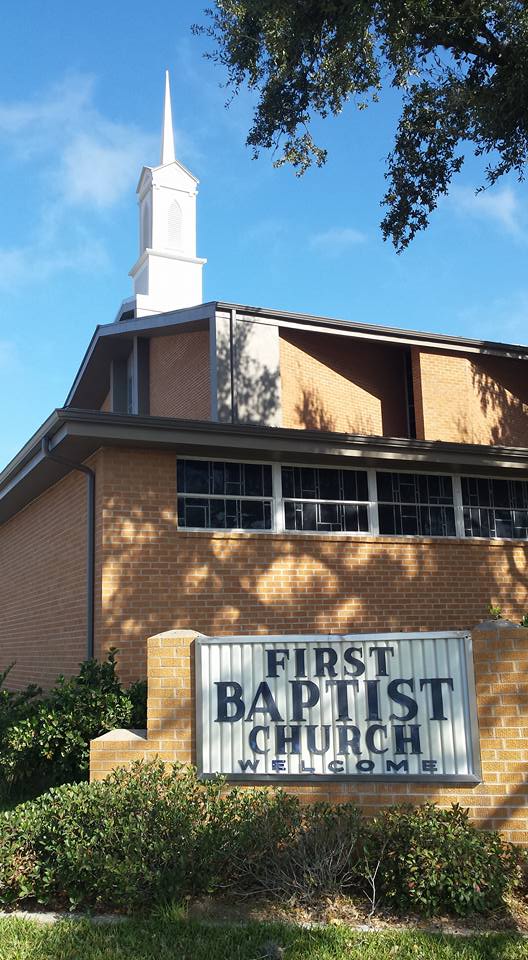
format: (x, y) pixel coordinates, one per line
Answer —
(473, 760)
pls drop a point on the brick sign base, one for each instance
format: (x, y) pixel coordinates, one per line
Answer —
(501, 672)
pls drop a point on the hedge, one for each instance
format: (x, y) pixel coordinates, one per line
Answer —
(152, 833)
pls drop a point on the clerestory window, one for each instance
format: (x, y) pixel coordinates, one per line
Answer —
(326, 500)
(495, 508)
(220, 495)
(227, 495)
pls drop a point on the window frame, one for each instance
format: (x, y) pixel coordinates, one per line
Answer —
(334, 533)
(223, 496)
(277, 501)
(417, 504)
(468, 506)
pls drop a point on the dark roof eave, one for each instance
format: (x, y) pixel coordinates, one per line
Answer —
(77, 434)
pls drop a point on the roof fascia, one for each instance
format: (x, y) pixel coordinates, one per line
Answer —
(143, 325)
(377, 332)
(107, 427)
(27, 452)
(270, 443)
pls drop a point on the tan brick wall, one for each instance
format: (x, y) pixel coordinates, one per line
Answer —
(106, 406)
(158, 578)
(179, 376)
(43, 586)
(499, 802)
(333, 383)
(470, 399)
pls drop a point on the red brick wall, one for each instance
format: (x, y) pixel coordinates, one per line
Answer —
(158, 578)
(333, 383)
(179, 376)
(43, 586)
(471, 399)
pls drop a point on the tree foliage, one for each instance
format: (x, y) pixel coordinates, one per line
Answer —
(461, 67)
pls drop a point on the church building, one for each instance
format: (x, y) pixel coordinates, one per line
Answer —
(238, 470)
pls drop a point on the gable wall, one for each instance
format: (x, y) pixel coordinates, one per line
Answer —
(179, 376)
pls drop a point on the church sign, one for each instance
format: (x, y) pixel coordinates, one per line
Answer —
(378, 706)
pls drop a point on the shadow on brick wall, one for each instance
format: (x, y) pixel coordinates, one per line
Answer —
(158, 579)
(503, 395)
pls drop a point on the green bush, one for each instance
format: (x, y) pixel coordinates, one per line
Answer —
(152, 833)
(140, 836)
(44, 739)
(435, 861)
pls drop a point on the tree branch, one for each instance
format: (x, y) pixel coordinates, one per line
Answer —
(461, 45)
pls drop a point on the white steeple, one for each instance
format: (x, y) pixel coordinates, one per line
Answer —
(168, 274)
(168, 153)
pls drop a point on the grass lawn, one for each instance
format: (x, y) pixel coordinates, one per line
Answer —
(165, 937)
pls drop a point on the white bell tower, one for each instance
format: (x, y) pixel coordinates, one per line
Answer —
(168, 274)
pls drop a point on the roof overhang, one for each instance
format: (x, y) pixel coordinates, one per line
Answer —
(77, 434)
(114, 340)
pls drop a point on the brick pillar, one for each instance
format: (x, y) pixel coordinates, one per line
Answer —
(170, 732)
(170, 711)
(501, 674)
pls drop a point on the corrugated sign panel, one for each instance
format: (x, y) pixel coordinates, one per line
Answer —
(373, 706)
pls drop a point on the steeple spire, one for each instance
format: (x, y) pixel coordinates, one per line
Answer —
(168, 154)
(168, 274)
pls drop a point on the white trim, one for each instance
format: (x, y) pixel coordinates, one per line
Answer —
(165, 254)
(318, 637)
(278, 500)
(459, 506)
(373, 502)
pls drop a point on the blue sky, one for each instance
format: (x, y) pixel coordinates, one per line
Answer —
(80, 112)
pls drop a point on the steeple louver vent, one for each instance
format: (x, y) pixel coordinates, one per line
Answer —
(146, 232)
(175, 226)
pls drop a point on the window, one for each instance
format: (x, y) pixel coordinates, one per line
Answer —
(325, 500)
(221, 495)
(224, 496)
(415, 504)
(495, 508)
(409, 392)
